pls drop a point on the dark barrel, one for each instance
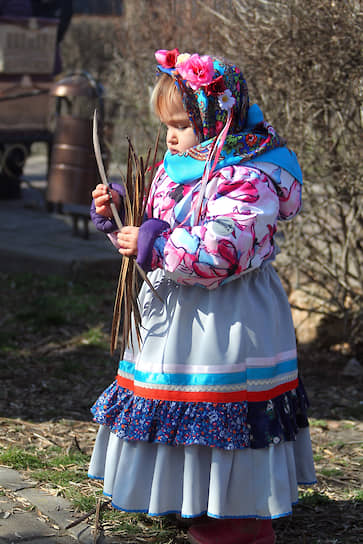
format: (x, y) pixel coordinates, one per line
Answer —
(73, 169)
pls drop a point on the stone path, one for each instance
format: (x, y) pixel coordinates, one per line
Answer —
(35, 241)
(30, 515)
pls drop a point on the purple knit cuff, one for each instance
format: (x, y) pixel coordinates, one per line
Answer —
(104, 224)
(148, 232)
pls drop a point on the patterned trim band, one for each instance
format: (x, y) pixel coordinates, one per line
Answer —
(156, 393)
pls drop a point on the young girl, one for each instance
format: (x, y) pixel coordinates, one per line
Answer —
(209, 415)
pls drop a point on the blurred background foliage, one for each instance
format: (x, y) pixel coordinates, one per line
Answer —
(302, 62)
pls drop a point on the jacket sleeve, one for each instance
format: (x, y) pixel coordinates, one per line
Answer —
(108, 224)
(290, 198)
(234, 235)
(288, 189)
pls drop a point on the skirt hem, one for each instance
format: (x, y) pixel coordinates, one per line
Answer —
(203, 513)
(137, 477)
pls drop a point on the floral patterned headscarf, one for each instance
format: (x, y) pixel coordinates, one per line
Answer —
(210, 88)
(215, 97)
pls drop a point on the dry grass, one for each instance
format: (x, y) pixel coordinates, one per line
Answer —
(330, 513)
(54, 364)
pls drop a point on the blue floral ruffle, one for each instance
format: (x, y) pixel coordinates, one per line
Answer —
(233, 425)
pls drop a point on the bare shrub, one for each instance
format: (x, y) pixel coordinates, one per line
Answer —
(90, 46)
(302, 63)
(146, 27)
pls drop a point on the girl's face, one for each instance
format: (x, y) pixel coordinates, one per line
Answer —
(180, 134)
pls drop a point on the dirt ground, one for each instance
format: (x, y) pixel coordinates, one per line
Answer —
(51, 376)
(47, 409)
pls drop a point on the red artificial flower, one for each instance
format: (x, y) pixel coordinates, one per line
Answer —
(167, 59)
(217, 86)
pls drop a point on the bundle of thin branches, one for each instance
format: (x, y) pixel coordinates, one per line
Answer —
(126, 308)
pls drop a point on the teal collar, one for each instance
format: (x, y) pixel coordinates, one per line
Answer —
(257, 143)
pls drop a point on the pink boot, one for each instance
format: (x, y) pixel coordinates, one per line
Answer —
(233, 531)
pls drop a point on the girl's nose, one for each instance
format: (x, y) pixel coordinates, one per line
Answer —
(171, 136)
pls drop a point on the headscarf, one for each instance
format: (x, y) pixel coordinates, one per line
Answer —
(215, 96)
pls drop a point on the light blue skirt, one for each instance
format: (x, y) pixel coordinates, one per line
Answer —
(193, 480)
(160, 465)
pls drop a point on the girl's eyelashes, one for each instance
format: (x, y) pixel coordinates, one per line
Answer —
(178, 127)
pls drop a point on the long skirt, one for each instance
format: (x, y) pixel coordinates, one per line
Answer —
(209, 414)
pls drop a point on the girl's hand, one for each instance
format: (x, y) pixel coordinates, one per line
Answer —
(127, 240)
(102, 200)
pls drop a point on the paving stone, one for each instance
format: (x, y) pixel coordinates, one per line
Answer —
(33, 240)
(39, 242)
(51, 540)
(17, 524)
(60, 511)
(20, 525)
(11, 479)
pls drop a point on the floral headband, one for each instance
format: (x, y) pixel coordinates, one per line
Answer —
(212, 90)
(197, 72)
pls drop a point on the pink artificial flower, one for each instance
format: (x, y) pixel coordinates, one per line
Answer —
(198, 71)
(167, 59)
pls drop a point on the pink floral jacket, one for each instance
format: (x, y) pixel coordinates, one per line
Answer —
(235, 232)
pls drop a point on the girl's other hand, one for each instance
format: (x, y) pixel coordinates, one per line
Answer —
(127, 240)
(102, 200)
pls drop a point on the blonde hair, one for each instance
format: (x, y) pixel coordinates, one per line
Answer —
(165, 97)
